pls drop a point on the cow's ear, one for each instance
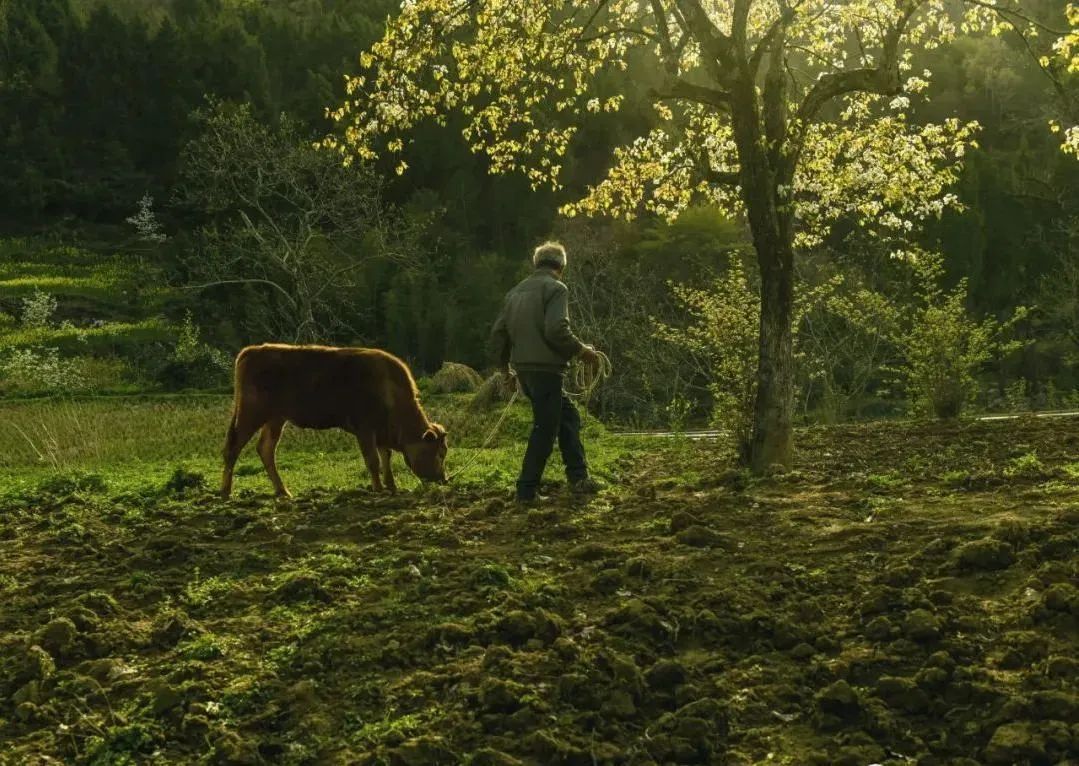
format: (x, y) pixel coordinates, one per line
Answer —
(430, 436)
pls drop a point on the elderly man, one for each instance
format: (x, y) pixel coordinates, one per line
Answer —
(533, 335)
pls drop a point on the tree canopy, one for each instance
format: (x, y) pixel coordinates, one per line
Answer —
(795, 115)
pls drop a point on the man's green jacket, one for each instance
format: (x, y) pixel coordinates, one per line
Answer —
(533, 332)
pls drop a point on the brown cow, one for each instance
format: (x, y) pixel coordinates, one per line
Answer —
(367, 392)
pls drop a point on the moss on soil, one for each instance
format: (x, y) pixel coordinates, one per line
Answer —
(691, 615)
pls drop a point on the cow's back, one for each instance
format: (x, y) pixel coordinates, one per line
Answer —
(319, 386)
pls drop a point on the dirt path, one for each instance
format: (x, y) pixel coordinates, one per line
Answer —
(708, 434)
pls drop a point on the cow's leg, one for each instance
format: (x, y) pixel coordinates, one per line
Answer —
(241, 428)
(267, 448)
(369, 448)
(387, 468)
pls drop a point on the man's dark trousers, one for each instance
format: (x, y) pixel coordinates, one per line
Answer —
(553, 417)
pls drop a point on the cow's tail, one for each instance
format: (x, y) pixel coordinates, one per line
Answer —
(232, 436)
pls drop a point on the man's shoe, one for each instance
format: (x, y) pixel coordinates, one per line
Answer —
(587, 486)
(531, 502)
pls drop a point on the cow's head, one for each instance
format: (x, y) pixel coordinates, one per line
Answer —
(427, 457)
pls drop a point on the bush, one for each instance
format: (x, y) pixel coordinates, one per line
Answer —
(192, 363)
(38, 309)
(944, 346)
(722, 339)
(40, 369)
(454, 378)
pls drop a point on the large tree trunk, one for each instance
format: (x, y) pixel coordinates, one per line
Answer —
(772, 437)
(773, 238)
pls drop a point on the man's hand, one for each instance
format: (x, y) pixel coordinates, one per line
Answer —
(589, 355)
(509, 380)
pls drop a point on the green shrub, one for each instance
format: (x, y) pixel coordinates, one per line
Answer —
(41, 369)
(38, 309)
(101, 339)
(1025, 466)
(192, 363)
(722, 337)
(944, 346)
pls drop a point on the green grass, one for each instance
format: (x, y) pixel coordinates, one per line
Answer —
(139, 441)
(29, 269)
(109, 338)
(86, 287)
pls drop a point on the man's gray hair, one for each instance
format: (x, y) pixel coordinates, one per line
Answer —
(550, 254)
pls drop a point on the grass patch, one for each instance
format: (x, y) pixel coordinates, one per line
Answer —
(174, 443)
(110, 338)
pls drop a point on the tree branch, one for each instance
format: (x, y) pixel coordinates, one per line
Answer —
(739, 22)
(671, 60)
(251, 280)
(717, 46)
(618, 31)
(882, 79)
(1016, 14)
(678, 89)
(722, 177)
(765, 42)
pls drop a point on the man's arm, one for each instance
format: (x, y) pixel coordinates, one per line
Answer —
(556, 327)
(501, 344)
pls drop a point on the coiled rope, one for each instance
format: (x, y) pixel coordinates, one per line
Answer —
(585, 377)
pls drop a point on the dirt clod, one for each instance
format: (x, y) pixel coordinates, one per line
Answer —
(985, 555)
(922, 626)
(902, 693)
(58, 636)
(170, 628)
(301, 587)
(878, 629)
(1015, 743)
(837, 705)
(1062, 597)
(665, 675)
(699, 536)
(681, 520)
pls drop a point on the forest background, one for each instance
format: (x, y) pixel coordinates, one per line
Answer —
(162, 203)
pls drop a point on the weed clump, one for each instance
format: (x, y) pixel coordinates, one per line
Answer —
(183, 482)
(72, 483)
